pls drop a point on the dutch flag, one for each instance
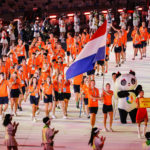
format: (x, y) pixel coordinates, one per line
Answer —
(93, 51)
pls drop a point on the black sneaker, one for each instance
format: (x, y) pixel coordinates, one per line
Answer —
(102, 74)
(77, 104)
(58, 107)
(88, 117)
(97, 74)
(20, 108)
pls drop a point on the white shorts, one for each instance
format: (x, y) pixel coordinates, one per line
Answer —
(4, 41)
(12, 37)
(36, 34)
(62, 29)
(77, 28)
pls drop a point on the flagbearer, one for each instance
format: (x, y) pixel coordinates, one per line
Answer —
(93, 98)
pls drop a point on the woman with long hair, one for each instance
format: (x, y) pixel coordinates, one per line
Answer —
(96, 141)
(84, 92)
(48, 93)
(15, 91)
(11, 129)
(34, 91)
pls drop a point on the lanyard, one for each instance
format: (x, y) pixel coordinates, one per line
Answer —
(1, 84)
(94, 92)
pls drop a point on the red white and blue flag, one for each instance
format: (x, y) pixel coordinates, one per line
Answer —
(93, 51)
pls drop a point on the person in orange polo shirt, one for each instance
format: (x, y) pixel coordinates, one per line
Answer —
(137, 44)
(84, 88)
(107, 106)
(93, 97)
(76, 85)
(34, 91)
(16, 90)
(69, 42)
(61, 94)
(117, 45)
(144, 38)
(4, 95)
(21, 52)
(66, 93)
(2, 67)
(48, 92)
(21, 75)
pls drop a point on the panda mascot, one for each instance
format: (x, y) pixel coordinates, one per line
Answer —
(126, 90)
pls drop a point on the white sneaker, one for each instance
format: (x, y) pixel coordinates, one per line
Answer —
(106, 130)
(53, 116)
(1, 118)
(11, 112)
(37, 112)
(139, 136)
(34, 119)
(64, 117)
(111, 130)
(15, 114)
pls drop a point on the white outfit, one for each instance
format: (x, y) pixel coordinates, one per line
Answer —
(136, 18)
(90, 21)
(94, 23)
(76, 24)
(19, 26)
(11, 32)
(101, 20)
(4, 37)
(62, 26)
(36, 30)
(109, 20)
(123, 20)
(148, 18)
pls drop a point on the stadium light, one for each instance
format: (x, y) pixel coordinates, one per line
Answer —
(52, 16)
(87, 13)
(140, 8)
(16, 19)
(120, 10)
(35, 8)
(130, 11)
(104, 11)
(70, 15)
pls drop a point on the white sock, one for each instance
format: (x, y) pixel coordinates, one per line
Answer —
(144, 130)
(139, 132)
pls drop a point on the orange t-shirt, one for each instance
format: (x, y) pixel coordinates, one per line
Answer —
(78, 79)
(137, 39)
(69, 42)
(55, 84)
(95, 93)
(144, 34)
(107, 98)
(3, 88)
(108, 41)
(117, 42)
(34, 91)
(107, 51)
(48, 89)
(20, 50)
(16, 85)
(85, 89)
(22, 78)
(66, 86)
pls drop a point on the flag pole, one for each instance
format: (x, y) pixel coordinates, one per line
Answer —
(104, 59)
